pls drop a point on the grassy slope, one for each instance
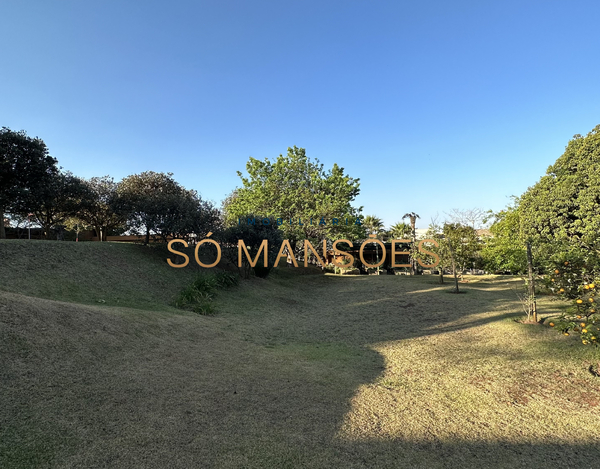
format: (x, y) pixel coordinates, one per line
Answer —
(296, 371)
(113, 274)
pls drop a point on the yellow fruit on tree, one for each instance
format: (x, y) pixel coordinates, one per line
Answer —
(579, 301)
(583, 331)
(551, 324)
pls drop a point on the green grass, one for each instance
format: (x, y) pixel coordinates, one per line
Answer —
(298, 370)
(111, 274)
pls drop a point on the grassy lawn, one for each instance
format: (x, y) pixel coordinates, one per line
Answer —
(312, 371)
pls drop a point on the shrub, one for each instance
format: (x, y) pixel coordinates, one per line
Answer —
(575, 282)
(261, 271)
(198, 296)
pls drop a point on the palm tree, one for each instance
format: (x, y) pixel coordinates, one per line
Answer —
(400, 230)
(373, 224)
(413, 219)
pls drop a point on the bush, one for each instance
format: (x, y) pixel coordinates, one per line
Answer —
(575, 282)
(261, 271)
(198, 296)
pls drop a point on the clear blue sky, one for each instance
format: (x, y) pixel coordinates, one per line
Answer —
(434, 105)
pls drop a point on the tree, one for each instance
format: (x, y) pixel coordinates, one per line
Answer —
(462, 244)
(400, 230)
(506, 249)
(25, 169)
(412, 216)
(565, 204)
(457, 247)
(475, 217)
(373, 225)
(97, 209)
(253, 237)
(58, 200)
(154, 203)
(295, 188)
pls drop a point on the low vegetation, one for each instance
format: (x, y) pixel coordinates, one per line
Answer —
(199, 295)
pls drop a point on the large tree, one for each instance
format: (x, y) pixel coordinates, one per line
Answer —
(253, 237)
(59, 199)
(505, 250)
(154, 203)
(97, 210)
(295, 188)
(373, 225)
(564, 205)
(144, 199)
(25, 169)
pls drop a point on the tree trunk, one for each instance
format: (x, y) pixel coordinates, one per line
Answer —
(455, 278)
(147, 236)
(47, 227)
(2, 230)
(413, 262)
(442, 276)
(453, 267)
(532, 306)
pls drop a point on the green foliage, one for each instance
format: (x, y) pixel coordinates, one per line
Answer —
(505, 250)
(576, 282)
(293, 186)
(373, 224)
(458, 243)
(565, 204)
(97, 209)
(154, 203)
(26, 170)
(400, 230)
(458, 248)
(199, 295)
(60, 199)
(253, 236)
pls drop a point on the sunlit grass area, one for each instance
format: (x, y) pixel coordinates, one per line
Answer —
(299, 370)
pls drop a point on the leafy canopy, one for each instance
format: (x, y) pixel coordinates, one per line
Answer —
(26, 169)
(565, 204)
(295, 187)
